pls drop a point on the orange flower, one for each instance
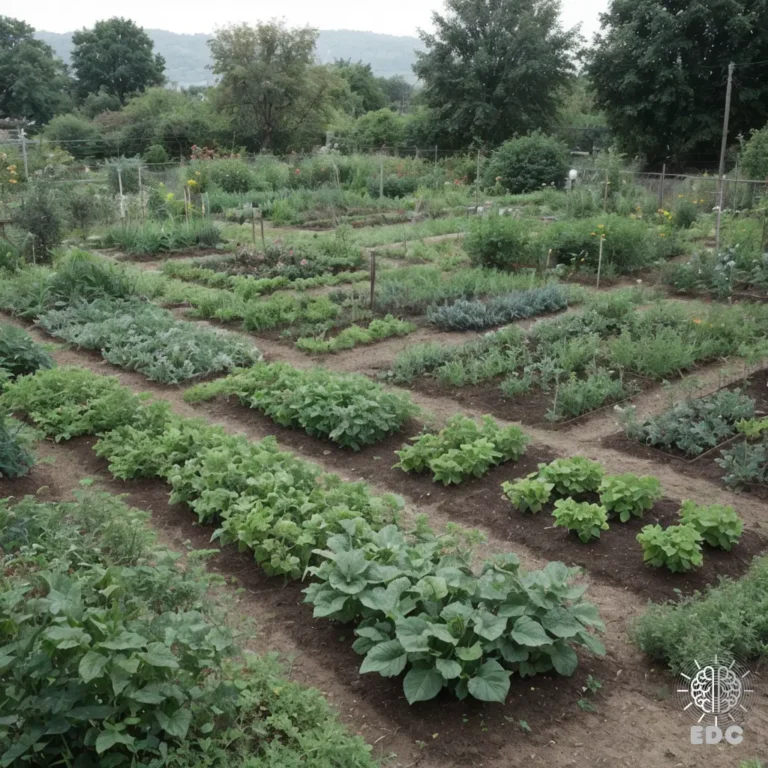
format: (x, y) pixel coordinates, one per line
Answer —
(697, 321)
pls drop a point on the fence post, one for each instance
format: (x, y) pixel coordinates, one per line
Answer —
(253, 224)
(477, 183)
(373, 276)
(605, 194)
(381, 176)
(661, 187)
(23, 139)
(261, 224)
(141, 197)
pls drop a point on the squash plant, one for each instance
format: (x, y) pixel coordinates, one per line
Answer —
(419, 608)
(463, 449)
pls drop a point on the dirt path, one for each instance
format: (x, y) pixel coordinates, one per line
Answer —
(634, 725)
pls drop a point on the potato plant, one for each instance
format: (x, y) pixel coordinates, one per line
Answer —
(586, 520)
(719, 526)
(572, 477)
(529, 494)
(628, 495)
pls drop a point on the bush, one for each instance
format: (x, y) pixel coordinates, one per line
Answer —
(156, 155)
(15, 459)
(692, 426)
(347, 409)
(685, 215)
(394, 186)
(529, 494)
(232, 175)
(676, 546)
(78, 136)
(41, 215)
(128, 175)
(627, 243)
(528, 163)
(572, 477)
(730, 617)
(501, 242)
(82, 207)
(587, 520)
(19, 354)
(754, 158)
(718, 525)
(463, 449)
(627, 495)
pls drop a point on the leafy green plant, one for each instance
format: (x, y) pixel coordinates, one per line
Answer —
(527, 163)
(628, 495)
(730, 616)
(40, 216)
(572, 477)
(66, 402)
(354, 335)
(19, 354)
(718, 525)
(577, 396)
(350, 410)
(420, 609)
(500, 242)
(678, 547)
(587, 520)
(15, 457)
(745, 464)
(139, 336)
(692, 426)
(528, 494)
(463, 449)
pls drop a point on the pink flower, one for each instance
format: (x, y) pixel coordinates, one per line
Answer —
(303, 262)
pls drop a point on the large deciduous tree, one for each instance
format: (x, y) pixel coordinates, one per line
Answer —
(276, 95)
(367, 95)
(659, 70)
(494, 68)
(33, 82)
(115, 57)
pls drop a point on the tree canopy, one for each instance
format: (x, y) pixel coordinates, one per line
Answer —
(367, 95)
(659, 71)
(494, 68)
(115, 57)
(33, 82)
(276, 96)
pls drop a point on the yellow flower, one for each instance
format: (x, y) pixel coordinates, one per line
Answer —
(680, 196)
(593, 234)
(191, 183)
(601, 226)
(661, 234)
(197, 173)
(12, 181)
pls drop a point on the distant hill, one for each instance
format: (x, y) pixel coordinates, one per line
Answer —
(187, 56)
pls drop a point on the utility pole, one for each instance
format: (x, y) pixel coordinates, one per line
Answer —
(723, 145)
(23, 140)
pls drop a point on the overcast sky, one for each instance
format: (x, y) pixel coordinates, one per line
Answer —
(396, 17)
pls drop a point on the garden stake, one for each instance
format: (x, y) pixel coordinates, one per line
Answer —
(261, 224)
(120, 186)
(253, 224)
(373, 276)
(600, 261)
(381, 177)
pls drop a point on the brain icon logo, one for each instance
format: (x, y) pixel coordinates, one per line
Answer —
(715, 691)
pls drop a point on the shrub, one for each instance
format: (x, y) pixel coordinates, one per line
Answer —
(587, 520)
(692, 426)
(627, 244)
(754, 157)
(627, 495)
(66, 402)
(128, 176)
(78, 136)
(500, 242)
(676, 546)
(394, 186)
(42, 216)
(718, 525)
(527, 163)
(350, 410)
(155, 155)
(729, 617)
(572, 477)
(82, 208)
(463, 449)
(19, 354)
(232, 175)
(529, 494)
(685, 215)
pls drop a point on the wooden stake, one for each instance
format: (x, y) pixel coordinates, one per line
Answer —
(253, 224)
(261, 224)
(605, 195)
(549, 256)
(600, 261)
(381, 176)
(373, 277)
(120, 187)
(661, 188)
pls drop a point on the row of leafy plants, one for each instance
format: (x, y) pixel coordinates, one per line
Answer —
(417, 604)
(117, 653)
(347, 409)
(572, 483)
(584, 358)
(353, 336)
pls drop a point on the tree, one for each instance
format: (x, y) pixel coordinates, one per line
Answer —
(367, 95)
(33, 82)
(80, 137)
(397, 90)
(277, 97)
(494, 68)
(376, 129)
(659, 69)
(116, 57)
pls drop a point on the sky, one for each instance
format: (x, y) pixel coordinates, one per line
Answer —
(395, 17)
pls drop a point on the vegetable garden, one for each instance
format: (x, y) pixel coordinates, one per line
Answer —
(486, 479)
